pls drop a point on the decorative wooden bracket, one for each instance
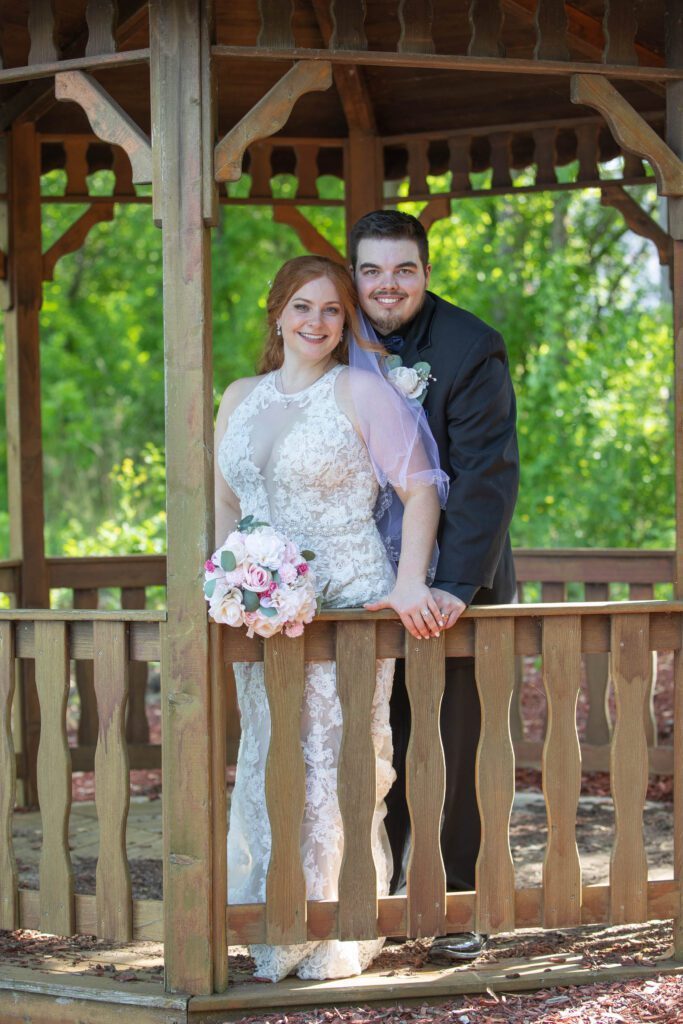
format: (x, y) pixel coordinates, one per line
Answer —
(436, 209)
(108, 120)
(630, 130)
(269, 115)
(75, 235)
(309, 235)
(637, 219)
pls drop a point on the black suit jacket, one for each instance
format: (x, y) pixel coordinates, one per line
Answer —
(472, 413)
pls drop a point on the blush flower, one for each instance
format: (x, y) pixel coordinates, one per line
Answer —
(257, 578)
(228, 608)
(265, 546)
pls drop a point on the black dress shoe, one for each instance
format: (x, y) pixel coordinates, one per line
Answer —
(464, 946)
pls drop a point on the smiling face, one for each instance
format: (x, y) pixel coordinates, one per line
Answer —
(312, 321)
(391, 281)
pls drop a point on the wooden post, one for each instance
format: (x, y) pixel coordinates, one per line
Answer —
(181, 101)
(24, 437)
(364, 175)
(674, 138)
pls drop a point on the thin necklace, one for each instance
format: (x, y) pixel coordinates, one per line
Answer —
(288, 399)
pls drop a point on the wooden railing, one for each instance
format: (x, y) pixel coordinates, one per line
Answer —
(559, 635)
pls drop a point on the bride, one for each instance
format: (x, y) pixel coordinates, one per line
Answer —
(305, 446)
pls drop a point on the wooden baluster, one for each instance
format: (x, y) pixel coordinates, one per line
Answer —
(598, 725)
(76, 166)
(101, 18)
(41, 28)
(500, 159)
(553, 592)
(486, 22)
(418, 167)
(630, 649)
(544, 156)
(87, 720)
(459, 163)
(356, 680)
(678, 787)
(260, 169)
(307, 171)
(276, 24)
(416, 18)
(137, 724)
(123, 172)
(425, 786)
(54, 778)
(587, 151)
(112, 795)
(219, 805)
(551, 31)
(516, 719)
(9, 901)
(620, 24)
(285, 790)
(645, 592)
(494, 666)
(348, 19)
(562, 771)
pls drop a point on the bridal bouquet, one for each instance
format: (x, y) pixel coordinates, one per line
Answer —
(259, 579)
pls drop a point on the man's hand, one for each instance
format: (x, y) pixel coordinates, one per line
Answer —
(417, 607)
(450, 607)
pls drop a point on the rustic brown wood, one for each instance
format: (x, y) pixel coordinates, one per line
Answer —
(74, 236)
(276, 23)
(587, 136)
(219, 809)
(516, 719)
(88, 725)
(49, 68)
(544, 155)
(594, 757)
(436, 209)
(677, 290)
(356, 680)
(108, 120)
(673, 40)
(349, 81)
(459, 152)
(269, 114)
(639, 221)
(123, 175)
(364, 175)
(633, 166)
(285, 790)
(140, 755)
(348, 25)
(418, 166)
(9, 905)
(76, 166)
(416, 18)
(101, 18)
(562, 772)
(486, 22)
(678, 797)
(551, 31)
(307, 172)
(594, 566)
(260, 170)
(54, 779)
(112, 796)
(41, 28)
(137, 725)
(620, 24)
(500, 159)
(494, 666)
(176, 28)
(628, 865)
(109, 571)
(24, 430)
(308, 234)
(598, 724)
(630, 130)
(551, 592)
(425, 786)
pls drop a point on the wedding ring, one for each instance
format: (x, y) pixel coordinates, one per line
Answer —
(425, 612)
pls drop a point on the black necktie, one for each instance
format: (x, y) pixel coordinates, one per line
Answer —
(394, 343)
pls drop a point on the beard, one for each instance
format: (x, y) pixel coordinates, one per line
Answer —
(392, 320)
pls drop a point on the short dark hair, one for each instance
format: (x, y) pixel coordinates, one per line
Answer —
(389, 224)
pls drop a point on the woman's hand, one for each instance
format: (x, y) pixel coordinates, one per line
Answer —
(416, 606)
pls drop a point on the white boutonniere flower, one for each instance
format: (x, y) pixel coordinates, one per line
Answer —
(411, 381)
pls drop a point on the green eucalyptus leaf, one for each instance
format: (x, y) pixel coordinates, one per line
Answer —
(209, 587)
(228, 561)
(250, 600)
(308, 555)
(270, 613)
(393, 362)
(422, 367)
(245, 523)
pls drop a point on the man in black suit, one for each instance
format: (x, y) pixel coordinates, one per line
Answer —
(470, 407)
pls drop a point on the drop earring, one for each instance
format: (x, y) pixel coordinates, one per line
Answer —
(278, 330)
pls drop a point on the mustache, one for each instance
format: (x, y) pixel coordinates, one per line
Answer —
(383, 293)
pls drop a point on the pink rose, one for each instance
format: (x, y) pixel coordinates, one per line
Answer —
(209, 566)
(302, 569)
(257, 579)
(294, 628)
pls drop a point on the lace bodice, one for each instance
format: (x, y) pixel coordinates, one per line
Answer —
(296, 462)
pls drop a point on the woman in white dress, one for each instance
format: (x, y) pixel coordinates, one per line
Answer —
(290, 451)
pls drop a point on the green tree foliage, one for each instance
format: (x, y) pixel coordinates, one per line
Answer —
(573, 293)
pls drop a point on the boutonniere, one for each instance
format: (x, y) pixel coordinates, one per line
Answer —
(411, 381)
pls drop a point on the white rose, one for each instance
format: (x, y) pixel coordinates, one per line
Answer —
(267, 627)
(233, 542)
(226, 606)
(407, 380)
(265, 547)
(296, 605)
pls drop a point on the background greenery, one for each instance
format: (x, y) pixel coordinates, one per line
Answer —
(576, 296)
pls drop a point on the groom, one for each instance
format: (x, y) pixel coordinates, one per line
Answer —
(470, 405)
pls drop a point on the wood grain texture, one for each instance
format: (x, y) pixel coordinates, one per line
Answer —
(308, 234)
(644, 225)
(112, 793)
(628, 864)
(416, 18)
(348, 25)
(500, 159)
(268, 115)
(88, 726)
(460, 161)
(545, 158)
(74, 236)
(494, 666)
(219, 808)
(9, 906)
(425, 786)
(41, 28)
(598, 724)
(364, 174)
(562, 772)
(137, 725)
(486, 22)
(307, 171)
(54, 779)
(678, 798)
(620, 23)
(550, 22)
(276, 23)
(630, 130)
(285, 790)
(356, 681)
(101, 17)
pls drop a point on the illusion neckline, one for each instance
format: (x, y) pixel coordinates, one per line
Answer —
(291, 397)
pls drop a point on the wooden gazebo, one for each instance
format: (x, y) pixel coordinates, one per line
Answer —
(188, 95)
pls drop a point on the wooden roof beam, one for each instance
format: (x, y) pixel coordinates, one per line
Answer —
(637, 219)
(349, 81)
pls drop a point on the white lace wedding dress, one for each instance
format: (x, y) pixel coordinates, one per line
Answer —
(296, 462)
